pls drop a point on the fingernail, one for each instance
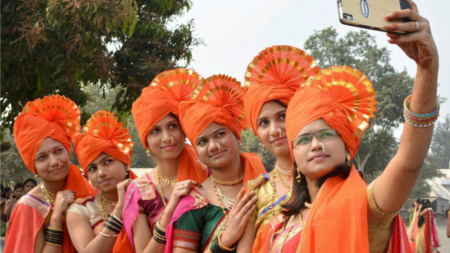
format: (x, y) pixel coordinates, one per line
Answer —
(390, 15)
(252, 191)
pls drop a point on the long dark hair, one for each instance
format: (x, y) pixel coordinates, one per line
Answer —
(300, 193)
(425, 204)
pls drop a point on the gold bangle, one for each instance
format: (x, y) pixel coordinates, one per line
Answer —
(223, 246)
(53, 244)
(160, 227)
(55, 229)
(106, 235)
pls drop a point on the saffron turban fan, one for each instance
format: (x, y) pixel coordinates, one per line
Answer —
(274, 75)
(217, 99)
(342, 96)
(161, 98)
(103, 133)
(55, 117)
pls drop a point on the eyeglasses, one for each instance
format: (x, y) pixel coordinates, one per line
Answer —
(322, 135)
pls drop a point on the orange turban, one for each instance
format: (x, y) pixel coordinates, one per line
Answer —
(217, 99)
(342, 96)
(275, 74)
(103, 134)
(161, 98)
(58, 118)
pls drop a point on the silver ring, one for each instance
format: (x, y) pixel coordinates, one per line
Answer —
(417, 26)
(182, 185)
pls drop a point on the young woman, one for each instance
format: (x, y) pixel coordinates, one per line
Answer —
(155, 113)
(11, 203)
(269, 88)
(104, 151)
(332, 209)
(29, 184)
(214, 217)
(42, 133)
(424, 236)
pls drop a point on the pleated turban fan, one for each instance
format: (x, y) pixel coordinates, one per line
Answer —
(161, 98)
(274, 75)
(342, 96)
(55, 117)
(217, 99)
(103, 133)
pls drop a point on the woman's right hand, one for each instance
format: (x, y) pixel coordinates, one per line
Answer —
(181, 189)
(238, 218)
(62, 201)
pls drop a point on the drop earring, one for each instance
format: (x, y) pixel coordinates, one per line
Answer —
(299, 176)
(149, 153)
(349, 159)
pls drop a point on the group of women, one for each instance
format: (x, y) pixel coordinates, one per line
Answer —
(9, 198)
(207, 196)
(422, 232)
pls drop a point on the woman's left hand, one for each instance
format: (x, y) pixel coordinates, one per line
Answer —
(419, 45)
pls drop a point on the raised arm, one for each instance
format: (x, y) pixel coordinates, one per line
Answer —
(397, 181)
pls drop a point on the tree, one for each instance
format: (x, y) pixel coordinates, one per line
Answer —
(252, 144)
(359, 50)
(440, 145)
(61, 46)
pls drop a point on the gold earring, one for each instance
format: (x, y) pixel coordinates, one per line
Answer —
(323, 146)
(299, 176)
(171, 140)
(149, 153)
(279, 131)
(36, 176)
(349, 159)
(218, 146)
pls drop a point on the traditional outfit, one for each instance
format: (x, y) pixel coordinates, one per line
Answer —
(54, 117)
(196, 223)
(160, 99)
(344, 216)
(273, 75)
(424, 239)
(102, 134)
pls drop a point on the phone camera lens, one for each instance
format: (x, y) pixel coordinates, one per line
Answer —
(348, 16)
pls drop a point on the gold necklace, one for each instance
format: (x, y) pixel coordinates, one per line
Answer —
(49, 196)
(164, 180)
(103, 205)
(218, 198)
(283, 172)
(274, 195)
(236, 181)
(277, 172)
(112, 203)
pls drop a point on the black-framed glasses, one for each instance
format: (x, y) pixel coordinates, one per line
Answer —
(321, 135)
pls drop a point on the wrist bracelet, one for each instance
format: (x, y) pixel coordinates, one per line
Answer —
(215, 248)
(106, 235)
(53, 244)
(160, 227)
(223, 246)
(111, 228)
(114, 217)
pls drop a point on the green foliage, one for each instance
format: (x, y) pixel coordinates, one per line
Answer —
(359, 50)
(440, 145)
(61, 47)
(252, 144)
(13, 169)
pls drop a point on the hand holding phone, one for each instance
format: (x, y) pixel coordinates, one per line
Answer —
(371, 14)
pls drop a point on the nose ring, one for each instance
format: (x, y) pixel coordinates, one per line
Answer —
(59, 164)
(171, 140)
(218, 146)
(279, 131)
(107, 176)
(323, 146)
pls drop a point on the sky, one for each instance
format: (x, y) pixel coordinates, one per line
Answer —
(235, 31)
